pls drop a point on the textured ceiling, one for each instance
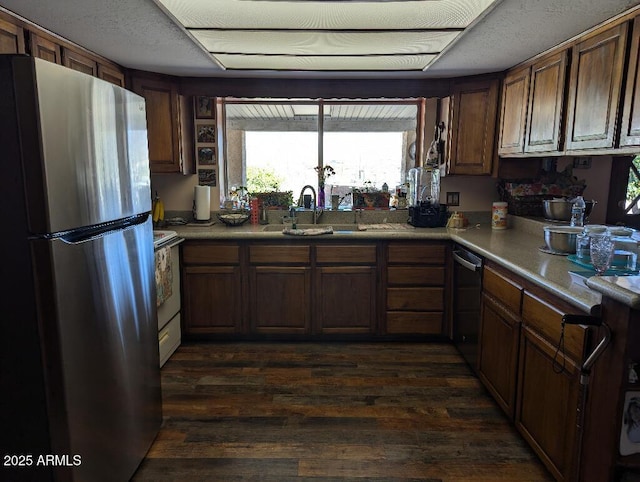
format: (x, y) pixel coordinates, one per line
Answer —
(139, 34)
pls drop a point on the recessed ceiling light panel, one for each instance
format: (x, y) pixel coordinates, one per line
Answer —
(323, 34)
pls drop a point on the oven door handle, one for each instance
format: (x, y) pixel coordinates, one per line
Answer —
(466, 263)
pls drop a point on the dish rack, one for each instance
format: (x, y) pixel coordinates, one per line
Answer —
(234, 218)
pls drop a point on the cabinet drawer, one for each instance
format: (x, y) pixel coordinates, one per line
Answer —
(352, 254)
(502, 289)
(423, 323)
(169, 339)
(415, 275)
(415, 299)
(546, 320)
(271, 254)
(401, 253)
(210, 253)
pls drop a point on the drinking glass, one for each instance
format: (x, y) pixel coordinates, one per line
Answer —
(601, 248)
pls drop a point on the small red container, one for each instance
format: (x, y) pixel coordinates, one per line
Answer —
(253, 205)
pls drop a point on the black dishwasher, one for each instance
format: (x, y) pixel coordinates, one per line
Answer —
(467, 292)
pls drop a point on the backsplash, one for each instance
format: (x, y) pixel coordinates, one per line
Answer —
(477, 193)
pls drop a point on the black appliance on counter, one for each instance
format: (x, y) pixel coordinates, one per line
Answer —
(428, 215)
(467, 292)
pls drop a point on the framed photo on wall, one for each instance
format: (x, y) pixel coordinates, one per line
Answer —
(206, 155)
(207, 177)
(204, 107)
(205, 132)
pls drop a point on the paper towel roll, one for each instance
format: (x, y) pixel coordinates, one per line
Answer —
(202, 199)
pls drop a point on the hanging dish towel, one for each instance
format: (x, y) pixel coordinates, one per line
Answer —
(164, 275)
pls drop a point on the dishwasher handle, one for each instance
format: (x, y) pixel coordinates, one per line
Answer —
(470, 265)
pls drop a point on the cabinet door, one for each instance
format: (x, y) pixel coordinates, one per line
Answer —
(80, 62)
(546, 411)
(163, 123)
(546, 102)
(111, 74)
(594, 89)
(280, 298)
(11, 38)
(472, 127)
(498, 352)
(346, 300)
(630, 131)
(515, 96)
(46, 49)
(212, 300)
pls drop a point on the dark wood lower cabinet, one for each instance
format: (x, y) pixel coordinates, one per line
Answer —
(312, 289)
(280, 299)
(498, 352)
(546, 414)
(212, 299)
(346, 300)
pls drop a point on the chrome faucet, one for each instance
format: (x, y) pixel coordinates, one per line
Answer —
(316, 212)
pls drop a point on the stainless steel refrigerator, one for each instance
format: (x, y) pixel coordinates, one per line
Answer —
(80, 394)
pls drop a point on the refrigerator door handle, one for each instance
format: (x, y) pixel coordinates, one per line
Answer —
(94, 232)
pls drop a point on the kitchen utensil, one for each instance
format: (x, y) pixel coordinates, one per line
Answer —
(561, 239)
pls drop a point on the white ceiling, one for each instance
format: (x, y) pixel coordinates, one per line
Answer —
(140, 34)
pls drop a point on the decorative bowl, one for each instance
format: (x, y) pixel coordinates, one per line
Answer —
(234, 218)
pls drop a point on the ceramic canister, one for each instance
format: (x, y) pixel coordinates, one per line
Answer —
(499, 215)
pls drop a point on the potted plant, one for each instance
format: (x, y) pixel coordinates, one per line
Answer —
(368, 197)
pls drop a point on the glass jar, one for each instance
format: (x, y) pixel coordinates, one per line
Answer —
(583, 240)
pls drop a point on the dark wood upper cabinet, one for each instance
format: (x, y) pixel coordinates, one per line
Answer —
(472, 126)
(594, 89)
(77, 61)
(630, 126)
(11, 38)
(168, 130)
(546, 104)
(515, 96)
(44, 48)
(111, 74)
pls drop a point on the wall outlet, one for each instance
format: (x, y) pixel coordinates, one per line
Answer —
(453, 198)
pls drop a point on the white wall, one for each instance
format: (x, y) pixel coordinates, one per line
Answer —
(176, 191)
(597, 178)
(477, 193)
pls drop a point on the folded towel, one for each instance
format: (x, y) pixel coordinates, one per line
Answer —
(164, 275)
(309, 231)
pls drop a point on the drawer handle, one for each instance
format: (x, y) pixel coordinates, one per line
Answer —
(164, 337)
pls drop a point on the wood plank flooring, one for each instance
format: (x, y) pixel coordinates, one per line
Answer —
(331, 412)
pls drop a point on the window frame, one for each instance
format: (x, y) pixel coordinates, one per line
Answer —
(419, 102)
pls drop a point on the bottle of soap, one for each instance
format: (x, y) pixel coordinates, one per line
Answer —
(577, 212)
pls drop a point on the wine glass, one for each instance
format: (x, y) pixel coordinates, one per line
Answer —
(601, 248)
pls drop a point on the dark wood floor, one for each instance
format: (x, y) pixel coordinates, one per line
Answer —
(331, 412)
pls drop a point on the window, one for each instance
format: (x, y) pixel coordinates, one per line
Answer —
(623, 206)
(284, 145)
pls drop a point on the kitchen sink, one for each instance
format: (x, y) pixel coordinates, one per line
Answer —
(349, 227)
(336, 227)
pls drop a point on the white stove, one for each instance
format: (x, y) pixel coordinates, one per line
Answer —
(160, 237)
(169, 333)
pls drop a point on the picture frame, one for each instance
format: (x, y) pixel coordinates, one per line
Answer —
(207, 177)
(204, 107)
(630, 427)
(206, 155)
(205, 132)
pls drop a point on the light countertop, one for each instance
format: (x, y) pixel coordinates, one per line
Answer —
(515, 248)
